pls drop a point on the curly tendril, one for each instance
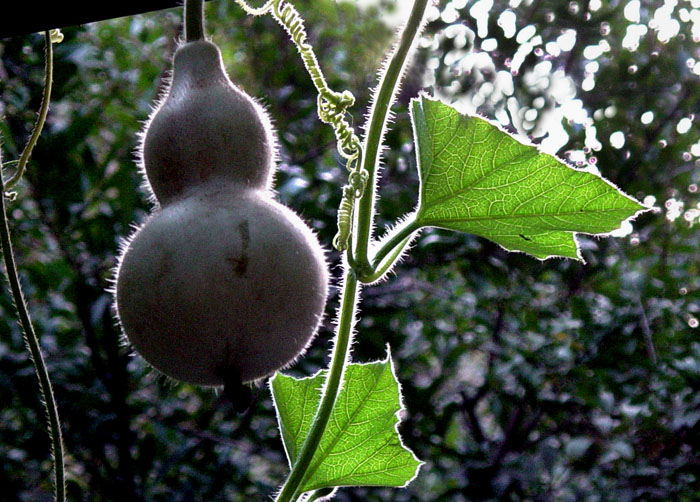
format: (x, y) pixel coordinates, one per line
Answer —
(56, 36)
(345, 216)
(332, 108)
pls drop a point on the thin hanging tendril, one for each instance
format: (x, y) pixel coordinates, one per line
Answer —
(49, 400)
(52, 37)
(332, 108)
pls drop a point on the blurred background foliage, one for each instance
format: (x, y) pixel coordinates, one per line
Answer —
(522, 380)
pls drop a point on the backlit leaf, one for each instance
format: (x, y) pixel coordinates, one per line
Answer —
(479, 179)
(361, 446)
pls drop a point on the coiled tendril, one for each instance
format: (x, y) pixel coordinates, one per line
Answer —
(332, 108)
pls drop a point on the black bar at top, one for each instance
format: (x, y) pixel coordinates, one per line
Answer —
(30, 16)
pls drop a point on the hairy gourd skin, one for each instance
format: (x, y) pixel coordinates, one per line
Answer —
(206, 129)
(221, 280)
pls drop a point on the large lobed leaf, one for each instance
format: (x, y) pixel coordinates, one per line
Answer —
(479, 179)
(360, 446)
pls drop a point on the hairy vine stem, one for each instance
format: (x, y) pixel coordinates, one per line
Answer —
(379, 115)
(303, 467)
(21, 305)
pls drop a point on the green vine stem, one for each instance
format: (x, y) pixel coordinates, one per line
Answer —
(37, 357)
(43, 111)
(194, 20)
(303, 468)
(379, 115)
(35, 351)
(341, 354)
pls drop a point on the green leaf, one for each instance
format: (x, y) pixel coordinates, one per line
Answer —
(361, 446)
(479, 179)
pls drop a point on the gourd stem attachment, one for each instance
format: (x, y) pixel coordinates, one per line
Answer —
(35, 351)
(41, 117)
(379, 115)
(194, 20)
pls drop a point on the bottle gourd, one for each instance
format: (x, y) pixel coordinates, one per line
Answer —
(221, 279)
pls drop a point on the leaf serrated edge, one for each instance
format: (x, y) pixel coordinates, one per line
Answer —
(397, 414)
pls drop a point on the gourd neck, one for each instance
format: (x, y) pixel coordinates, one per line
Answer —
(217, 189)
(198, 64)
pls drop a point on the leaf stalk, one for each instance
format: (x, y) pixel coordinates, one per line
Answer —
(392, 248)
